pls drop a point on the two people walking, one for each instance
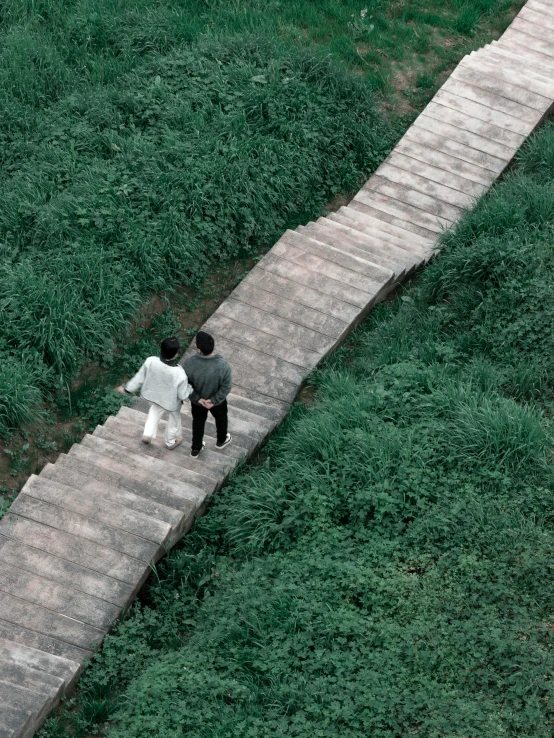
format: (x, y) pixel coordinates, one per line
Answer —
(204, 378)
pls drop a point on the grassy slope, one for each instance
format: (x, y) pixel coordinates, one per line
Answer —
(142, 143)
(387, 570)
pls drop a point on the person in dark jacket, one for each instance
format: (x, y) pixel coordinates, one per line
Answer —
(211, 378)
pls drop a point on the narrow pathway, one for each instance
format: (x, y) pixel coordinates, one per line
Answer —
(81, 537)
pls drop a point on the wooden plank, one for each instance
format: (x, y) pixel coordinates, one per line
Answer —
(483, 112)
(408, 212)
(538, 70)
(433, 173)
(242, 442)
(234, 451)
(49, 686)
(25, 701)
(315, 280)
(255, 296)
(39, 660)
(536, 30)
(322, 233)
(522, 76)
(533, 67)
(298, 292)
(15, 722)
(222, 326)
(499, 87)
(215, 465)
(385, 229)
(528, 116)
(408, 176)
(83, 528)
(101, 508)
(289, 331)
(409, 195)
(245, 424)
(532, 58)
(356, 255)
(465, 137)
(507, 140)
(261, 361)
(143, 458)
(252, 409)
(189, 487)
(289, 247)
(80, 551)
(177, 490)
(348, 220)
(540, 6)
(101, 492)
(61, 571)
(396, 216)
(349, 235)
(536, 48)
(41, 620)
(264, 385)
(57, 597)
(332, 233)
(250, 394)
(463, 152)
(531, 14)
(23, 636)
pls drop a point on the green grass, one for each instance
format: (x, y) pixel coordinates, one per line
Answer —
(143, 143)
(387, 570)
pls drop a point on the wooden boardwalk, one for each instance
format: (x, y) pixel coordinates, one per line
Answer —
(81, 537)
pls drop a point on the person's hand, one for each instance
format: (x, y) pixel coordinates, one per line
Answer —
(206, 403)
(120, 390)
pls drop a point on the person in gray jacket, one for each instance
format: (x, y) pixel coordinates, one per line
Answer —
(165, 385)
(211, 378)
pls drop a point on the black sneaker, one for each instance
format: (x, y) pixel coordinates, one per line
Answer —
(226, 442)
(195, 454)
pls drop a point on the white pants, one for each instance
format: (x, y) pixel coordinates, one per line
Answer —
(173, 429)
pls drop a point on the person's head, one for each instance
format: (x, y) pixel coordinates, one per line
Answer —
(205, 343)
(169, 348)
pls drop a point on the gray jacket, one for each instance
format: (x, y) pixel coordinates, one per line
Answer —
(210, 377)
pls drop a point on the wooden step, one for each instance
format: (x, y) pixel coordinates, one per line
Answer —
(114, 492)
(361, 223)
(327, 232)
(232, 452)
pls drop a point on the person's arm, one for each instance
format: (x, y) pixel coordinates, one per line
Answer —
(189, 371)
(224, 387)
(136, 382)
(184, 390)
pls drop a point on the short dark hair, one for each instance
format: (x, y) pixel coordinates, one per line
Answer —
(169, 348)
(204, 342)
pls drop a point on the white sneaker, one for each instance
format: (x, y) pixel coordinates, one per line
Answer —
(226, 442)
(196, 454)
(176, 442)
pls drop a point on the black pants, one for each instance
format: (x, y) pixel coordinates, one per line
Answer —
(199, 415)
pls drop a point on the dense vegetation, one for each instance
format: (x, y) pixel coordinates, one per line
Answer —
(387, 570)
(142, 142)
(139, 186)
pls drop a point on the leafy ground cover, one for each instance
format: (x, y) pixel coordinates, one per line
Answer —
(143, 144)
(387, 569)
